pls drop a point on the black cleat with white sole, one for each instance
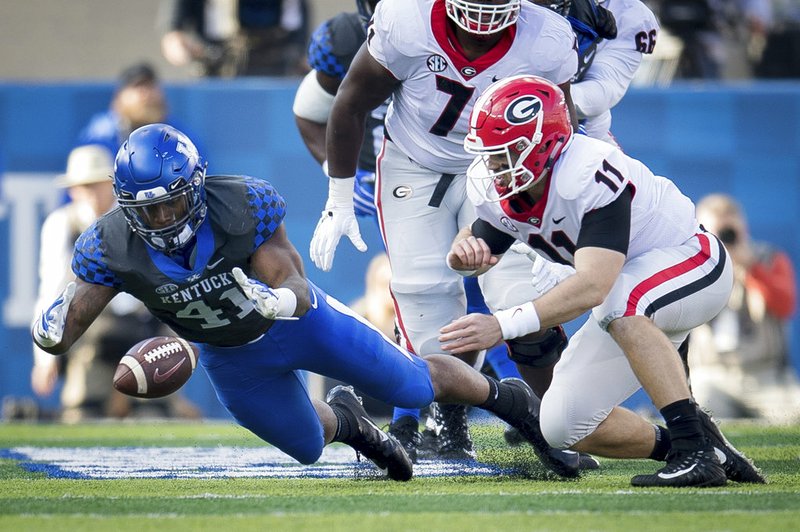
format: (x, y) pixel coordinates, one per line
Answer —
(381, 448)
(737, 466)
(699, 469)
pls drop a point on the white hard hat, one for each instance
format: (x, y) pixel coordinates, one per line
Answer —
(86, 165)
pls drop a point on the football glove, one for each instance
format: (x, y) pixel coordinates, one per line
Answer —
(545, 274)
(48, 329)
(273, 304)
(337, 219)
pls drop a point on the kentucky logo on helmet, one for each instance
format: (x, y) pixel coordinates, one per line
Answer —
(523, 110)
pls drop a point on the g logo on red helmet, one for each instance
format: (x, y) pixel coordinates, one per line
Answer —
(523, 110)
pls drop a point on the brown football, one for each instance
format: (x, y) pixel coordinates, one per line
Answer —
(156, 367)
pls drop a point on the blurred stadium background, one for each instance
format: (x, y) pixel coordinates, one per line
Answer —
(60, 61)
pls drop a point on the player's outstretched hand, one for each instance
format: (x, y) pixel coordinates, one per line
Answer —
(268, 302)
(48, 329)
(337, 219)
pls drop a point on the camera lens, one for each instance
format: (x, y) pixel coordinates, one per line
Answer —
(728, 235)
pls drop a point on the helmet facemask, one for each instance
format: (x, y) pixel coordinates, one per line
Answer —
(481, 18)
(503, 173)
(167, 220)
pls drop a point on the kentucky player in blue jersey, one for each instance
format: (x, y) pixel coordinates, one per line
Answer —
(209, 256)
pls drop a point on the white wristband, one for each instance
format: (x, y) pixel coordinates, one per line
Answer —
(287, 302)
(518, 321)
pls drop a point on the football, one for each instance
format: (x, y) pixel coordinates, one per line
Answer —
(156, 367)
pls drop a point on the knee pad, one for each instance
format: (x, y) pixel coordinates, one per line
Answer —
(543, 351)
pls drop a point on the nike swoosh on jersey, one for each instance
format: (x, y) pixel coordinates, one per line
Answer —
(678, 473)
(158, 378)
(313, 299)
(215, 264)
(559, 220)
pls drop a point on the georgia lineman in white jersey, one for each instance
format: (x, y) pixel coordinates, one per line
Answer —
(417, 55)
(616, 60)
(428, 115)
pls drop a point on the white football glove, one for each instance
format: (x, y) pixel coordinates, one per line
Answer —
(337, 219)
(48, 329)
(273, 304)
(545, 274)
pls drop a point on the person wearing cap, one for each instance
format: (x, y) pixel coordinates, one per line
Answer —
(89, 369)
(138, 100)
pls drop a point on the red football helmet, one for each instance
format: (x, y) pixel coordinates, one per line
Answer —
(519, 127)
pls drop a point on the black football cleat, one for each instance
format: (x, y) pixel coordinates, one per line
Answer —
(563, 463)
(455, 442)
(381, 448)
(698, 469)
(428, 448)
(514, 438)
(406, 430)
(588, 462)
(737, 466)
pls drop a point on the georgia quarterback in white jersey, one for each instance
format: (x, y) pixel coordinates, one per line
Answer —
(643, 266)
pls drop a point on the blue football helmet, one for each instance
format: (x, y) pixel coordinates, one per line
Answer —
(159, 181)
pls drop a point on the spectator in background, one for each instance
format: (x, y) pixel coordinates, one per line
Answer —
(138, 100)
(720, 37)
(782, 44)
(87, 391)
(739, 362)
(228, 38)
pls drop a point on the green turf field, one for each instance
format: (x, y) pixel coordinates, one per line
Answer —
(602, 500)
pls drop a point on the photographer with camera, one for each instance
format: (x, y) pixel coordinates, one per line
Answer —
(739, 362)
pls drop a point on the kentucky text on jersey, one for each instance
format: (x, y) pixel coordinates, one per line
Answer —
(196, 291)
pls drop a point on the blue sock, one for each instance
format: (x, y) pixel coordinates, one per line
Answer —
(402, 412)
(503, 367)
